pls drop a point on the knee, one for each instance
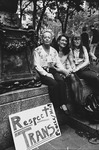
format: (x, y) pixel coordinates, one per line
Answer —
(62, 83)
(72, 77)
(55, 85)
(61, 80)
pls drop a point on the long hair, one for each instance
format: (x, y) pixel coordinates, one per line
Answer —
(73, 45)
(66, 49)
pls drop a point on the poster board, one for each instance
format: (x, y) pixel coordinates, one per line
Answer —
(34, 127)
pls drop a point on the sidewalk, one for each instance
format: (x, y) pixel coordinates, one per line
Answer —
(69, 140)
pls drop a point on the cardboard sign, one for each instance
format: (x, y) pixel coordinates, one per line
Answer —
(34, 127)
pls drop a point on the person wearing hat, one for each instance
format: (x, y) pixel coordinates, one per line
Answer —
(45, 58)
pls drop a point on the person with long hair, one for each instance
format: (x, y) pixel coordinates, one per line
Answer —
(63, 49)
(73, 83)
(76, 59)
(80, 63)
(45, 58)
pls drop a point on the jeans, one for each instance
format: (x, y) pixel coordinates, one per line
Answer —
(90, 75)
(57, 88)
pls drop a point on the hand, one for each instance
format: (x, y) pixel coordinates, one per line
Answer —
(57, 69)
(76, 69)
(73, 67)
(68, 72)
(50, 75)
(94, 58)
(51, 64)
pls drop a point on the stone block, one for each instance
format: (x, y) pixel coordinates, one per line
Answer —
(17, 101)
(22, 94)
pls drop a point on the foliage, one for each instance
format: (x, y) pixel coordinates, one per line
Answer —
(66, 9)
(70, 13)
(93, 3)
(38, 12)
(7, 6)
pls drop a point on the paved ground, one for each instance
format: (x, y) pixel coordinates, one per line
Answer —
(71, 139)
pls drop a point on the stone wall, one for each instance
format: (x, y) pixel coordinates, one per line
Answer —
(17, 101)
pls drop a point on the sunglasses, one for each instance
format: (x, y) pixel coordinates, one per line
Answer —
(77, 38)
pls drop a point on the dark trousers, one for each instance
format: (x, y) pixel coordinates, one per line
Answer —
(57, 88)
(91, 76)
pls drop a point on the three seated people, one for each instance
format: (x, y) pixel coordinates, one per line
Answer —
(62, 61)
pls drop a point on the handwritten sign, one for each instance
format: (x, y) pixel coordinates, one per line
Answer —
(34, 127)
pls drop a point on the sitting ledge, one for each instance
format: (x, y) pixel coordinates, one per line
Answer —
(17, 101)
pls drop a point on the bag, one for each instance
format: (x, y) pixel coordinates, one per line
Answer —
(91, 107)
(11, 7)
(91, 103)
(94, 65)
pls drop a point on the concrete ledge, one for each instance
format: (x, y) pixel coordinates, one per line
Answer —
(22, 94)
(82, 122)
(17, 101)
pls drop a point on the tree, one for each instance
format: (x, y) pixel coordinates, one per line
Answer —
(7, 6)
(66, 9)
(38, 12)
(23, 4)
(93, 3)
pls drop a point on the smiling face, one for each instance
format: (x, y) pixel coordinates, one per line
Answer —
(62, 42)
(47, 38)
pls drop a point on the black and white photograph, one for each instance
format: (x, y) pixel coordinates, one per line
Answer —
(49, 74)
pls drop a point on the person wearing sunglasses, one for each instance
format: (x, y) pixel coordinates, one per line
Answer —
(80, 63)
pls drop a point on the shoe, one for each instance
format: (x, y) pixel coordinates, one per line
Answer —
(88, 108)
(64, 108)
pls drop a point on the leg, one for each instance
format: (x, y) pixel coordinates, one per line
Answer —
(90, 76)
(74, 86)
(62, 88)
(53, 89)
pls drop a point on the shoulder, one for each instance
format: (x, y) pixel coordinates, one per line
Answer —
(84, 49)
(39, 48)
(71, 54)
(71, 51)
(53, 50)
